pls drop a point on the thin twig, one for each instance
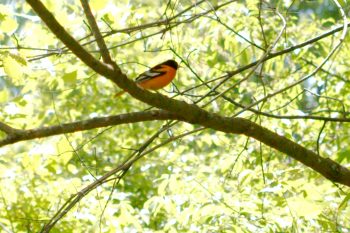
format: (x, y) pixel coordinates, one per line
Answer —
(319, 137)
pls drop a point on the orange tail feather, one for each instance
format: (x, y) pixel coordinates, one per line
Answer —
(119, 94)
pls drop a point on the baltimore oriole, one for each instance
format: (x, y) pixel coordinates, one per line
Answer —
(157, 77)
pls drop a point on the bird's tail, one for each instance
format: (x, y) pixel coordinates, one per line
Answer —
(119, 94)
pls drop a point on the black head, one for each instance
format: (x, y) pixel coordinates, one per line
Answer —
(171, 63)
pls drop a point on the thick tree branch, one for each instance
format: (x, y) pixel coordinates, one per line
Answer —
(195, 115)
(98, 122)
(326, 167)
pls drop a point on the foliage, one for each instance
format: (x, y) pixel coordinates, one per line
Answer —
(205, 182)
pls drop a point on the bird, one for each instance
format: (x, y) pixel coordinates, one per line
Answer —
(156, 77)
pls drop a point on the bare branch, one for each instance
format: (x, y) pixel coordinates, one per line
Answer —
(15, 135)
(8, 129)
(96, 31)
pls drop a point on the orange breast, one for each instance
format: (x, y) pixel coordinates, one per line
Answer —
(159, 82)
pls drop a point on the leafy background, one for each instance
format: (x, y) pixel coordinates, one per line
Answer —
(205, 182)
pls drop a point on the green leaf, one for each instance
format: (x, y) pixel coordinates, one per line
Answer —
(14, 67)
(4, 96)
(343, 154)
(98, 4)
(70, 78)
(8, 23)
(344, 203)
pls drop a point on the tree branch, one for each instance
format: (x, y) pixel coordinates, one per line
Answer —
(311, 117)
(96, 31)
(8, 129)
(195, 115)
(98, 122)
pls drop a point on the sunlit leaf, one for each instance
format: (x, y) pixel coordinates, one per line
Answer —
(14, 67)
(4, 96)
(70, 78)
(344, 203)
(98, 4)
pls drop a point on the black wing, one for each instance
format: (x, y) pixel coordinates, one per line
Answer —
(151, 73)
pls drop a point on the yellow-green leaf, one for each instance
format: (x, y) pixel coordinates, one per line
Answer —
(14, 67)
(98, 4)
(70, 78)
(4, 96)
(9, 25)
(344, 203)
